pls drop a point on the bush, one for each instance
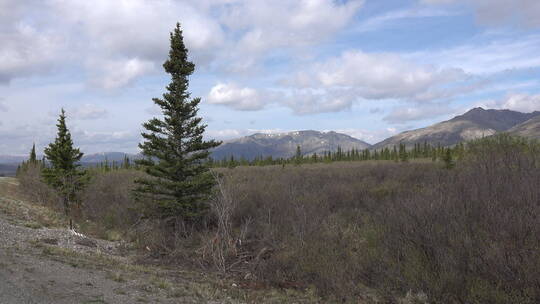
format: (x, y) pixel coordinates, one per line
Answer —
(108, 205)
(32, 185)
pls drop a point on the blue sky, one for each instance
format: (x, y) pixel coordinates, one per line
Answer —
(368, 68)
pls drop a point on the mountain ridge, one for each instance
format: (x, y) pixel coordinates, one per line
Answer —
(473, 124)
(284, 144)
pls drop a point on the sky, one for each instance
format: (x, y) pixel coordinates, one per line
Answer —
(367, 68)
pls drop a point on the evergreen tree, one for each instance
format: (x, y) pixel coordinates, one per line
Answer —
(403, 154)
(298, 156)
(33, 158)
(448, 159)
(63, 173)
(175, 153)
(126, 164)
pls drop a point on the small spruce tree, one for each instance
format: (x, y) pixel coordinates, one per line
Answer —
(403, 154)
(62, 172)
(33, 158)
(448, 159)
(298, 156)
(175, 154)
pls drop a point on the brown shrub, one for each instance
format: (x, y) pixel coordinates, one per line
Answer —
(107, 203)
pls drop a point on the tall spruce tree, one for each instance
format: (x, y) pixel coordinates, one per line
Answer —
(62, 172)
(175, 154)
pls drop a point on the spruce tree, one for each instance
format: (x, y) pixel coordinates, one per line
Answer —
(62, 172)
(448, 159)
(33, 158)
(175, 154)
(298, 156)
(403, 154)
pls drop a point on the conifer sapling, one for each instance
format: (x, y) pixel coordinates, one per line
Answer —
(175, 154)
(62, 172)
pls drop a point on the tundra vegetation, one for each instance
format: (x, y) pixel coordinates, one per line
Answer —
(398, 227)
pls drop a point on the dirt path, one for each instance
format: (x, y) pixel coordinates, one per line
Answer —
(44, 265)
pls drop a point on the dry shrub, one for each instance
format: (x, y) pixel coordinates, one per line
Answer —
(472, 236)
(32, 185)
(108, 205)
(468, 235)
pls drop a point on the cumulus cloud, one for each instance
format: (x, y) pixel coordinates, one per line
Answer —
(117, 42)
(310, 101)
(376, 75)
(499, 12)
(520, 102)
(231, 95)
(291, 23)
(406, 114)
(369, 136)
(119, 73)
(335, 84)
(391, 18)
(483, 58)
(25, 51)
(89, 112)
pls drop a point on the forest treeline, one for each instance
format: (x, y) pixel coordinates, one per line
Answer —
(397, 153)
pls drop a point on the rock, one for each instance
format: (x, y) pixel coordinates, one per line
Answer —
(51, 241)
(86, 242)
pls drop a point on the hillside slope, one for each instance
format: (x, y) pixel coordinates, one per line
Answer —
(530, 128)
(476, 123)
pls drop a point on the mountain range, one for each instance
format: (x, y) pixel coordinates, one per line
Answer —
(285, 144)
(87, 158)
(473, 124)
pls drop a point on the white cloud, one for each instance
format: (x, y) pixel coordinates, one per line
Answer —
(376, 75)
(520, 102)
(335, 84)
(118, 41)
(225, 134)
(119, 73)
(89, 112)
(393, 17)
(231, 95)
(291, 23)
(484, 58)
(500, 12)
(406, 114)
(309, 101)
(369, 136)
(25, 51)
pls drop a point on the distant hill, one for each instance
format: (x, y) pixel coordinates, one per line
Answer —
(476, 123)
(529, 128)
(8, 169)
(9, 163)
(284, 144)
